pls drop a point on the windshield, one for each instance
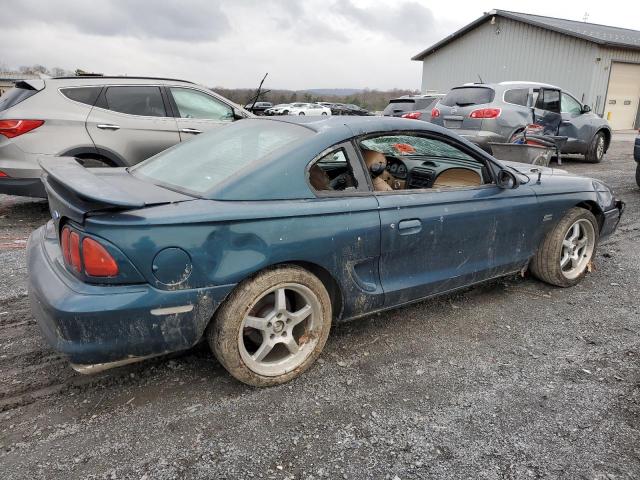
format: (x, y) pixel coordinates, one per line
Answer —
(413, 146)
(202, 163)
(467, 96)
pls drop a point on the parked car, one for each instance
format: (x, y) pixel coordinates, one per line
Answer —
(411, 103)
(307, 109)
(348, 109)
(274, 228)
(112, 121)
(485, 113)
(636, 156)
(278, 109)
(258, 108)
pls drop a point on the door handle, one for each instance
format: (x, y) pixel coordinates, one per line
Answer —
(195, 131)
(108, 126)
(408, 227)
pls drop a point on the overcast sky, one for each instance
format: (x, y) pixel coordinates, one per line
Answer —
(232, 43)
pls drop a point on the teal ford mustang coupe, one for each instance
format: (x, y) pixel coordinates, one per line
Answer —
(258, 236)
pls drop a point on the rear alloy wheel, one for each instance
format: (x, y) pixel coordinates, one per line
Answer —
(272, 327)
(565, 254)
(596, 149)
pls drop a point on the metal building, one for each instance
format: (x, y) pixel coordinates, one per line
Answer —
(596, 63)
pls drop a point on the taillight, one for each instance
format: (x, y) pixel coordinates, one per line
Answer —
(412, 115)
(2, 174)
(97, 261)
(435, 113)
(15, 128)
(486, 113)
(74, 251)
(64, 244)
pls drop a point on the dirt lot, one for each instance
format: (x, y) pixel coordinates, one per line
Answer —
(512, 380)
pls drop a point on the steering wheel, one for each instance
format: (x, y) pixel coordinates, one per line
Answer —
(341, 182)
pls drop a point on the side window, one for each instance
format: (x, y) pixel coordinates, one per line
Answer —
(134, 100)
(87, 95)
(332, 172)
(570, 105)
(409, 162)
(195, 104)
(549, 100)
(517, 96)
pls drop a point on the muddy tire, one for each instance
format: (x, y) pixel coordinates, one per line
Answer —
(272, 327)
(638, 174)
(566, 251)
(596, 148)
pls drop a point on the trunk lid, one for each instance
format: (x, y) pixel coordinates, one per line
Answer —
(75, 192)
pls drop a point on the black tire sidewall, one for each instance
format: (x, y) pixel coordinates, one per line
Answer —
(592, 153)
(223, 331)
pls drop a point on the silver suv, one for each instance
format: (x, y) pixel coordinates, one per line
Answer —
(497, 112)
(113, 121)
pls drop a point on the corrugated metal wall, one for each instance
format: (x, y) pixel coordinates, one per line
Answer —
(518, 52)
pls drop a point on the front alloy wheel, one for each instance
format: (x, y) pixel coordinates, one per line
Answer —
(565, 253)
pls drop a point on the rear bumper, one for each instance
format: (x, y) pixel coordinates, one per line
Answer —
(22, 170)
(611, 220)
(96, 324)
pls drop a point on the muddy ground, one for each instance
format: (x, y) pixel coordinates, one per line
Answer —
(510, 380)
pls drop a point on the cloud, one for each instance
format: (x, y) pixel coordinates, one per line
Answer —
(187, 20)
(408, 21)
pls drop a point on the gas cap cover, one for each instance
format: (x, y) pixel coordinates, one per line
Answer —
(172, 266)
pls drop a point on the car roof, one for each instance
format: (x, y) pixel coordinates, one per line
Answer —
(114, 80)
(512, 84)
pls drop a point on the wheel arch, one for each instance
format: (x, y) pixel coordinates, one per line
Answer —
(327, 279)
(594, 208)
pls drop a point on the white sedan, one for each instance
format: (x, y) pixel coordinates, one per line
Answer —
(308, 109)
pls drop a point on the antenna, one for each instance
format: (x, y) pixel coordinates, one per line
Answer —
(585, 17)
(480, 78)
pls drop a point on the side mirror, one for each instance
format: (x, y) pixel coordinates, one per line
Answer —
(507, 180)
(586, 109)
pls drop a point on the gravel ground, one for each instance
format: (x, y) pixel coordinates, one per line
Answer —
(510, 380)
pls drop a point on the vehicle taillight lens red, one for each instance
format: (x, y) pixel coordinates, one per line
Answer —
(74, 251)
(486, 113)
(412, 115)
(435, 113)
(97, 261)
(64, 244)
(15, 128)
(2, 174)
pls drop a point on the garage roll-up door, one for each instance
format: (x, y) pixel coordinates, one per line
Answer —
(623, 96)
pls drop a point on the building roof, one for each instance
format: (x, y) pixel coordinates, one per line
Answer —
(16, 76)
(601, 34)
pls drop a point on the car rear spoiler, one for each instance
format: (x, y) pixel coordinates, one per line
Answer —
(75, 191)
(81, 181)
(31, 84)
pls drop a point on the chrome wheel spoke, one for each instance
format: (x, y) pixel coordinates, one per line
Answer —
(292, 345)
(575, 233)
(565, 260)
(300, 315)
(263, 351)
(567, 243)
(255, 322)
(280, 300)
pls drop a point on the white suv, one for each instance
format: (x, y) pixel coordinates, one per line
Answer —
(113, 121)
